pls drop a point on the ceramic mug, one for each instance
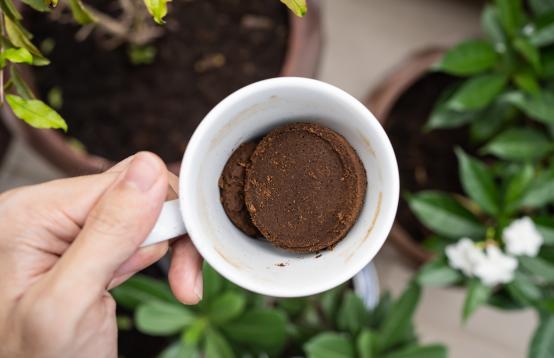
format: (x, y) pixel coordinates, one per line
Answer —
(254, 264)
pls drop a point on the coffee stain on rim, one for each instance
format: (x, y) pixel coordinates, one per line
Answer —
(240, 117)
(368, 146)
(373, 221)
(233, 263)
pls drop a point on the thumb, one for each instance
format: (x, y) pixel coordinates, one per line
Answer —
(117, 225)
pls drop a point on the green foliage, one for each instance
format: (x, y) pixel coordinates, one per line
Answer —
(477, 294)
(468, 58)
(159, 318)
(437, 273)
(36, 113)
(329, 345)
(158, 9)
(520, 144)
(298, 7)
(542, 344)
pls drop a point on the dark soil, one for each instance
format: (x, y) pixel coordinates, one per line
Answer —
(210, 48)
(426, 160)
(4, 140)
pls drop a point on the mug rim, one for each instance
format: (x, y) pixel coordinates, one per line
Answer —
(192, 157)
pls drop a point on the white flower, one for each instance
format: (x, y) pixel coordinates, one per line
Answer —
(496, 268)
(522, 238)
(464, 256)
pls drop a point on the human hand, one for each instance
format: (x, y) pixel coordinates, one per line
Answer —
(63, 244)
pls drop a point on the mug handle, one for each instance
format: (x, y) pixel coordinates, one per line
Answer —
(169, 224)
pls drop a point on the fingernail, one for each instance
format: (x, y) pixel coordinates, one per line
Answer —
(199, 286)
(143, 171)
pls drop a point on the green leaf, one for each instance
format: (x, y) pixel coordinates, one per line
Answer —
(435, 244)
(529, 52)
(520, 144)
(547, 63)
(366, 344)
(543, 36)
(510, 13)
(400, 316)
(258, 328)
(541, 7)
(352, 315)
(142, 289)
(36, 113)
(330, 302)
(489, 121)
(329, 345)
(159, 318)
(293, 306)
(179, 350)
(477, 294)
(477, 92)
(39, 5)
(545, 225)
(378, 314)
(19, 39)
(542, 344)
(217, 346)
(538, 267)
(16, 55)
(213, 282)
(468, 58)
(193, 334)
(478, 182)
(539, 107)
(298, 7)
(443, 117)
(437, 273)
(80, 12)
(10, 10)
(523, 290)
(158, 9)
(226, 307)
(444, 215)
(517, 187)
(527, 82)
(541, 191)
(428, 351)
(492, 27)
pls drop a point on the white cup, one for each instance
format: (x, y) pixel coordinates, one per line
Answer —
(254, 264)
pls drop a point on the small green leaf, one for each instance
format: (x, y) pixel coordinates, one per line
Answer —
(39, 5)
(293, 306)
(477, 294)
(527, 83)
(511, 15)
(538, 267)
(226, 307)
(478, 182)
(16, 55)
(36, 113)
(20, 39)
(142, 289)
(542, 344)
(543, 36)
(541, 7)
(437, 273)
(10, 10)
(444, 215)
(435, 244)
(517, 187)
(258, 328)
(179, 350)
(523, 290)
(352, 315)
(489, 121)
(468, 58)
(193, 334)
(520, 144)
(81, 14)
(539, 107)
(378, 314)
(329, 345)
(529, 52)
(443, 117)
(212, 282)
(541, 191)
(477, 92)
(330, 302)
(217, 346)
(298, 7)
(158, 9)
(492, 27)
(400, 316)
(159, 318)
(545, 225)
(428, 351)
(366, 344)
(141, 55)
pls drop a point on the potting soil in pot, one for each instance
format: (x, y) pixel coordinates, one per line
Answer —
(302, 186)
(209, 49)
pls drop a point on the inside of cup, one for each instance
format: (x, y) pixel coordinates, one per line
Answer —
(250, 113)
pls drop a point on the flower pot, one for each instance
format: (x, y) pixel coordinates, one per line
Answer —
(302, 50)
(403, 102)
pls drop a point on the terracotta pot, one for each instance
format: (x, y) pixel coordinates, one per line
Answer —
(302, 59)
(381, 101)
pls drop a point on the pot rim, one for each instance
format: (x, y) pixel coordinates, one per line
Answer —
(301, 59)
(381, 101)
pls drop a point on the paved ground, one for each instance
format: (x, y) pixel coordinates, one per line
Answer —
(365, 39)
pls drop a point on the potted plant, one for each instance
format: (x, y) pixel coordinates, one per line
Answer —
(126, 84)
(476, 90)
(231, 322)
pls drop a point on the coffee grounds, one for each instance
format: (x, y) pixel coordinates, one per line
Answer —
(305, 187)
